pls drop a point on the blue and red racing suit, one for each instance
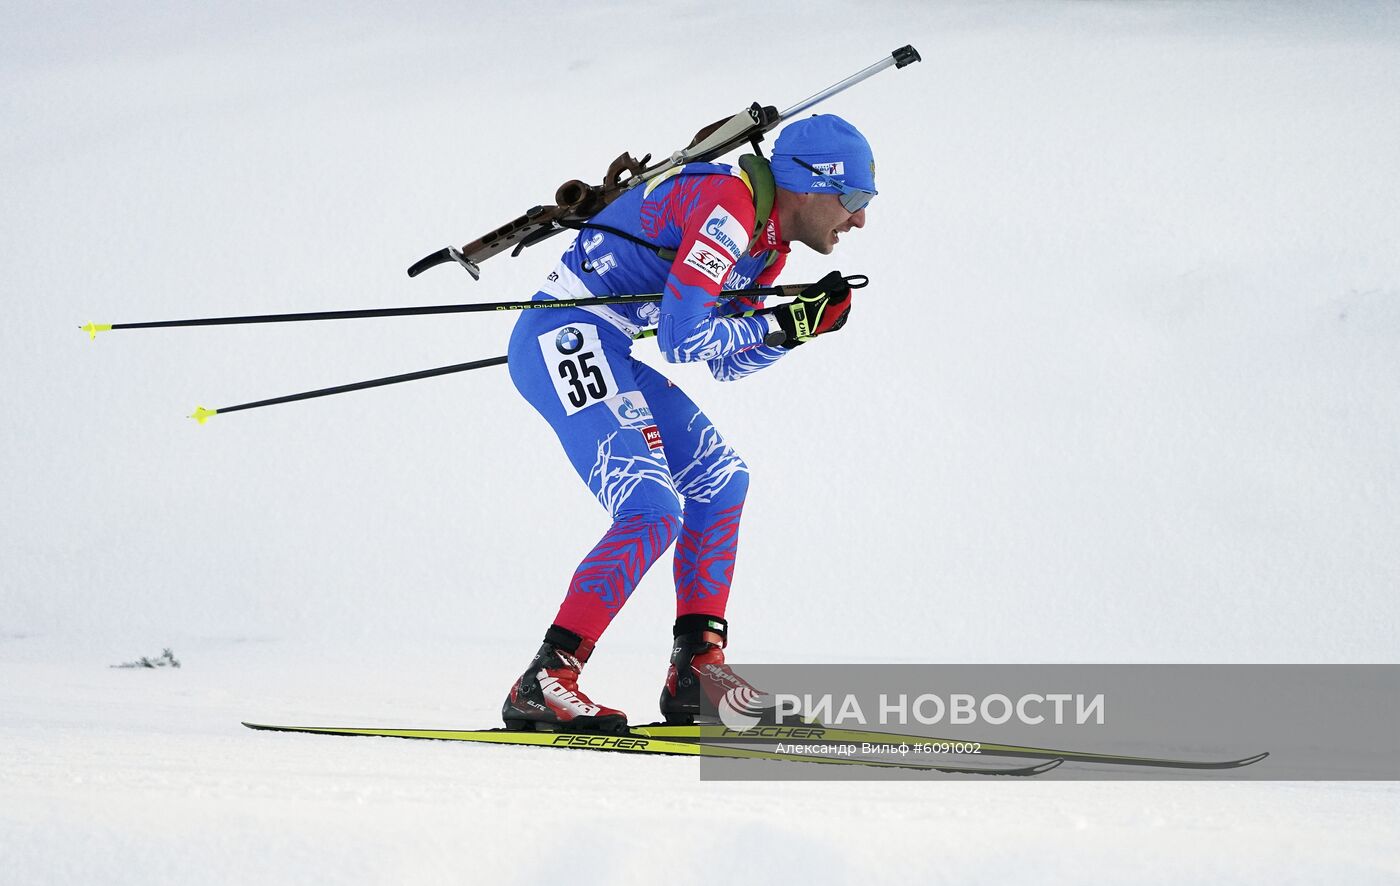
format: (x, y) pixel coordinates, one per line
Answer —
(642, 446)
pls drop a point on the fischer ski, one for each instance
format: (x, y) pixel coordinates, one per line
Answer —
(639, 741)
(817, 732)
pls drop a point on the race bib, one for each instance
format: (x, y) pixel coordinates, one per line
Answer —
(577, 365)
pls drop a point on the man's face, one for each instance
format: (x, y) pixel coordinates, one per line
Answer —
(821, 220)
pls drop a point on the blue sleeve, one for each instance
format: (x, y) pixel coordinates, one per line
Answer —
(745, 361)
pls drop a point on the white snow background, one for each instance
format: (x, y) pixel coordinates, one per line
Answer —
(1123, 387)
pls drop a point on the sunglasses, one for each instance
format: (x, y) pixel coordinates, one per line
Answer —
(853, 199)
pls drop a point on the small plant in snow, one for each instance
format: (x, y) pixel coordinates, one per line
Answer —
(167, 659)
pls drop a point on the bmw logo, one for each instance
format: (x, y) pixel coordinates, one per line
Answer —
(568, 340)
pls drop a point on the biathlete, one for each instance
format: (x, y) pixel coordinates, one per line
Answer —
(700, 234)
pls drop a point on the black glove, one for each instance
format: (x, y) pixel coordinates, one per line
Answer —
(820, 308)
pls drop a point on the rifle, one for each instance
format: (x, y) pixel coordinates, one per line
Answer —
(576, 202)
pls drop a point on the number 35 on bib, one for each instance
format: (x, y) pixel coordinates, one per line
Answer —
(578, 366)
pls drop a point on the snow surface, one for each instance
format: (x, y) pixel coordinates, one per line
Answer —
(1124, 388)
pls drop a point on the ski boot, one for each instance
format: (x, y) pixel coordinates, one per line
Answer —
(546, 698)
(700, 685)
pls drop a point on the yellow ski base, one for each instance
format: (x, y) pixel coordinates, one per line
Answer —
(818, 732)
(638, 742)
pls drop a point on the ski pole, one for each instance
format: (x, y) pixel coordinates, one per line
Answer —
(201, 415)
(790, 290)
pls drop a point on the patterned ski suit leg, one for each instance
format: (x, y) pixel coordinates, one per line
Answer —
(714, 481)
(616, 449)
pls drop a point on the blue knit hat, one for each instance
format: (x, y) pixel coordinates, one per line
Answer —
(830, 144)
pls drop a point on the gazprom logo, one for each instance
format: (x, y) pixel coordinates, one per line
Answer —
(724, 231)
(631, 412)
